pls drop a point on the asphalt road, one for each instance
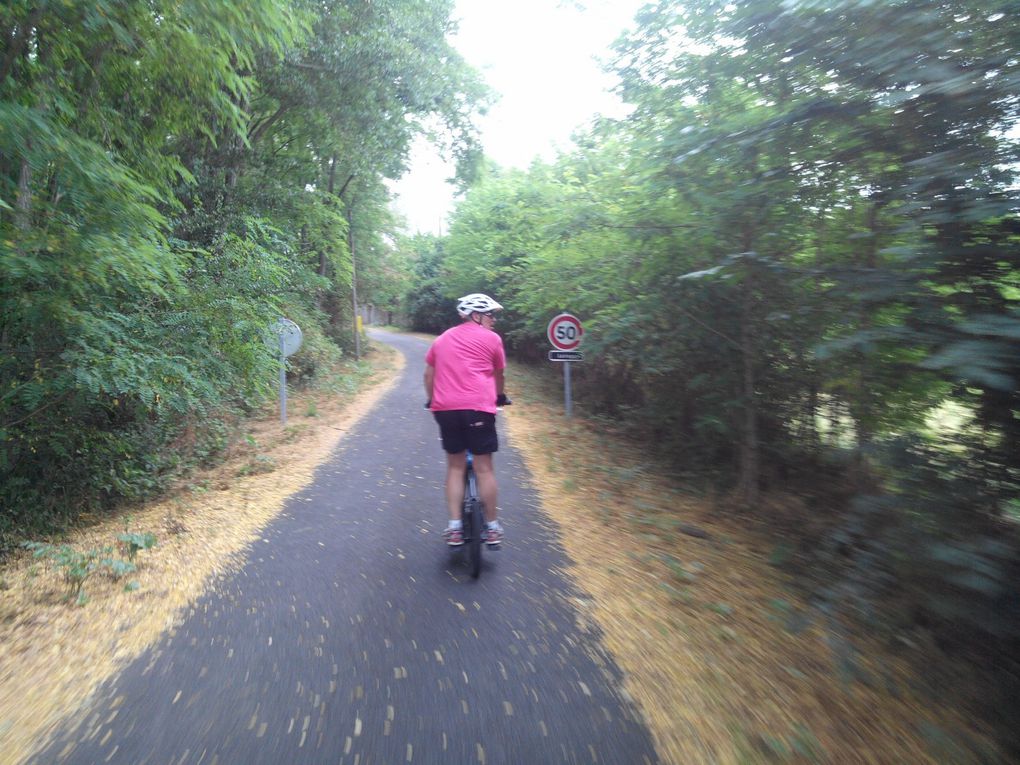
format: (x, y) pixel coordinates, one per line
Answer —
(352, 636)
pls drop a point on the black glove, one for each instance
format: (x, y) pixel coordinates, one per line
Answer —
(428, 404)
(503, 400)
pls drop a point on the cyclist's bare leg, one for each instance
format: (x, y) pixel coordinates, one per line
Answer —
(487, 487)
(456, 465)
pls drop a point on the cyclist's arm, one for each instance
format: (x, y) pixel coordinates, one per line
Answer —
(430, 379)
(500, 381)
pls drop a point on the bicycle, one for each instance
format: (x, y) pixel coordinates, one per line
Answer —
(473, 510)
(472, 519)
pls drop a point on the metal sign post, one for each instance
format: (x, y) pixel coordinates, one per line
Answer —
(568, 399)
(283, 382)
(289, 336)
(565, 334)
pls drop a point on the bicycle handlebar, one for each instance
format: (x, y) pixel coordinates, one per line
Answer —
(501, 400)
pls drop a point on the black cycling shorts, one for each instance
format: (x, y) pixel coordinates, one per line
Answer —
(462, 429)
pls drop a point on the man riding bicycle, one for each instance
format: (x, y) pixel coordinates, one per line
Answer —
(464, 369)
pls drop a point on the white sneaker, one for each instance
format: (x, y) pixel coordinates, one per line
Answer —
(493, 537)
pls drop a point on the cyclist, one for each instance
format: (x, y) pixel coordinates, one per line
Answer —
(464, 370)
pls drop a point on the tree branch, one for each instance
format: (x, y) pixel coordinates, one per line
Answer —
(306, 67)
(268, 122)
(344, 187)
(656, 226)
(703, 325)
(30, 415)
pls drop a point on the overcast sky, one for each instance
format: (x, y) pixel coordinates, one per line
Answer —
(540, 58)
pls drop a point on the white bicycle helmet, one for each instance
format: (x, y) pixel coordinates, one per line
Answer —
(476, 302)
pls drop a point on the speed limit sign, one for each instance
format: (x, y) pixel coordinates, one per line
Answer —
(565, 332)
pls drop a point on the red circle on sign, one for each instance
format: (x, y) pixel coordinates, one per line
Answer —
(565, 332)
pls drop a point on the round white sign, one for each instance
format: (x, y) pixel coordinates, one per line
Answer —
(288, 336)
(565, 332)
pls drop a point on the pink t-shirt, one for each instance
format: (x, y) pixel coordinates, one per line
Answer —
(466, 358)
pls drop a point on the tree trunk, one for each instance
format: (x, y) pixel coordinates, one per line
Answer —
(236, 148)
(864, 410)
(354, 282)
(749, 447)
(331, 187)
(813, 437)
(23, 201)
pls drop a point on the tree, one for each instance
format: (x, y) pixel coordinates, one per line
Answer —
(172, 177)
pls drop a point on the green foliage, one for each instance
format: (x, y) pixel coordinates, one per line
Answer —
(802, 238)
(77, 566)
(260, 463)
(173, 178)
(317, 353)
(429, 309)
(118, 568)
(132, 542)
(920, 544)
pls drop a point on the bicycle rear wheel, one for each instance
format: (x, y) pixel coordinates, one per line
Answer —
(473, 531)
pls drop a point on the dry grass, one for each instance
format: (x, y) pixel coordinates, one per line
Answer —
(703, 628)
(54, 655)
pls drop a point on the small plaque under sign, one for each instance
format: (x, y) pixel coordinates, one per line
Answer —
(565, 356)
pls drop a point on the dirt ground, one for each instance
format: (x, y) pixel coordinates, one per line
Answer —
(724, 662)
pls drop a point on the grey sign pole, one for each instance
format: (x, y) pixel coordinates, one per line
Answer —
(283, 383)
(568, 401)
(289, 340)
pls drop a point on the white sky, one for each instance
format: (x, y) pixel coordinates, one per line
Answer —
(539, 56)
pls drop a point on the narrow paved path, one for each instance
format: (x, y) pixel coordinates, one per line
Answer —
(352, 636)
